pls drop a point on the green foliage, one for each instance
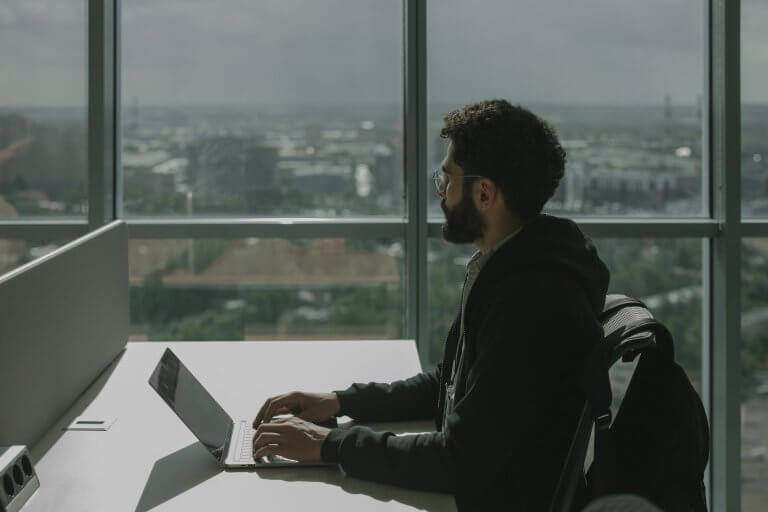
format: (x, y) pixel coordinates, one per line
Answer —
(380, 304)
(644, 267)
(754, 298)
(445, 280)
(206, 251)
(208, 325)
(683, 319)
(641, 268)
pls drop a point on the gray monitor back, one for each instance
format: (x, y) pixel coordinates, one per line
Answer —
(63, 319)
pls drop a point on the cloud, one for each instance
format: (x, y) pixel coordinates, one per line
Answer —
(289, 51)
(7, 16)
(31, 14)
(591, 51)
(270, 52)
(43, 45)
(754, 51)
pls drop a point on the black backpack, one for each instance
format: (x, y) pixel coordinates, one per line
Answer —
(658, 444)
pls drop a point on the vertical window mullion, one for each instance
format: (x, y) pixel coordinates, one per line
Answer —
(724, 290)
(101, 118)
(415, 118)
(117, 169)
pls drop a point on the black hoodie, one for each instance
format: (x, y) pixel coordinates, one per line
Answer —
(531, 320)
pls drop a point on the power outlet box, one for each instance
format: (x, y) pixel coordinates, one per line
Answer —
(18, 478)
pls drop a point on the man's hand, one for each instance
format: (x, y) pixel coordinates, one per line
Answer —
(313, 407)
(292, 438)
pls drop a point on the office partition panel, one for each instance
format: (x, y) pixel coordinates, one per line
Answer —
(63, 319)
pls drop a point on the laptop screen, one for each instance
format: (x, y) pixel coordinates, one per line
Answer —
(192, 403)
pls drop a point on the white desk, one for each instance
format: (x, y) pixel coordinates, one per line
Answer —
(148, 460)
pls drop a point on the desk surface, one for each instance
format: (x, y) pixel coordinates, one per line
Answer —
(148, 460)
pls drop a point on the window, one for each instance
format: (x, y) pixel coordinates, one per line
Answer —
(447, 268)
(754, 357)
(754, 111)
(754, 282)
(273, 108)
(15, 253)
(666, 275)
(43, 112)
(266, 288)
(621, 82)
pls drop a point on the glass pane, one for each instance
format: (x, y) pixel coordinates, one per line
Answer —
(754, 357)
(665, 274)
(272, 108)
(445, 279)
(620, 81)
(43, 108)
(754, 110)
(266, 288)
(15, 253)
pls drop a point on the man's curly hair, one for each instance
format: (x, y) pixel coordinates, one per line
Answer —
(511, 146)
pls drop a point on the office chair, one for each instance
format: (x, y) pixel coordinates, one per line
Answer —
(628, 330)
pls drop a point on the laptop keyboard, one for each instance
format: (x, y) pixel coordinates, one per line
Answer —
(246, 446)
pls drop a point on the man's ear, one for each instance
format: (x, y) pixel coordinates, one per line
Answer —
(487, 192)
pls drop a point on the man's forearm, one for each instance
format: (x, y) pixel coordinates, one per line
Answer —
(419, 461)
(409, 399)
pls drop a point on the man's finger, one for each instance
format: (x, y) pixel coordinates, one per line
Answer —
(274, 405)
(260, 415)
(270, 449)
(284, 429)
(264, 439)
(266, 412)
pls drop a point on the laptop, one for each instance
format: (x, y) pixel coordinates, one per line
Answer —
(230, 442)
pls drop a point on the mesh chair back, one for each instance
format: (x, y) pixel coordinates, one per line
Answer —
(628, 329)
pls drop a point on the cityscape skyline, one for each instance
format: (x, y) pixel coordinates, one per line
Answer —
(175, 148)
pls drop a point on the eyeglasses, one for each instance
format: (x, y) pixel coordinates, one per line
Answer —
(440, 178)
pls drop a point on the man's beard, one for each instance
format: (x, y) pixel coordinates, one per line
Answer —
(463, 223)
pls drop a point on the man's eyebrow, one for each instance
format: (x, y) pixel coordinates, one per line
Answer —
(445, 170)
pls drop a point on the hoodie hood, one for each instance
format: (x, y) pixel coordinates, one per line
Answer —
(554, 244)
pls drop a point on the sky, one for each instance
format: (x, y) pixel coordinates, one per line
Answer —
(265, 52)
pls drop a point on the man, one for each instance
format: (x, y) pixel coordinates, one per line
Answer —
(505, 398)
